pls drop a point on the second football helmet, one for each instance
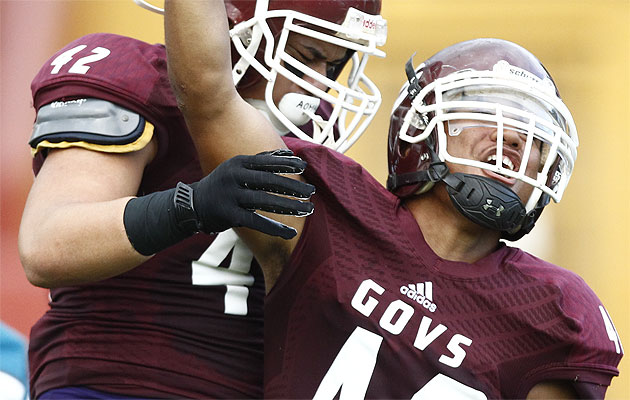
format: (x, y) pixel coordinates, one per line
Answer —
(335, 116)
(490, 84)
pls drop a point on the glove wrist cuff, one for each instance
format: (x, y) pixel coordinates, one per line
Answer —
(158, 220)
(185, 214)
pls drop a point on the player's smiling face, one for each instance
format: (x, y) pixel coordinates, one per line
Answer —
(477, 140)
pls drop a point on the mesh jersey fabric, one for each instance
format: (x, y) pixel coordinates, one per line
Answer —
(365, 300)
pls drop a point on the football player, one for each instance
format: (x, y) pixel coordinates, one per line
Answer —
(141, 304)
(410, 292)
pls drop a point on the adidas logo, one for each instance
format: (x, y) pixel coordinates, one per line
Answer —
(422, 293)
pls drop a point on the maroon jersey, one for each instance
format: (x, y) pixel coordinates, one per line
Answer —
(364, 308)
(186, 323)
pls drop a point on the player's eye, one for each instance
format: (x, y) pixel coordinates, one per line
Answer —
(293, 70)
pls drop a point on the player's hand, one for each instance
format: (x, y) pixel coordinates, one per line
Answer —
(230, 195)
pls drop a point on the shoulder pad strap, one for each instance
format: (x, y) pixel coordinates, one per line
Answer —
(88, 122)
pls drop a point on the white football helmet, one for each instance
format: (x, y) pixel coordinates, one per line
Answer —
(259, 32)
(490, 84)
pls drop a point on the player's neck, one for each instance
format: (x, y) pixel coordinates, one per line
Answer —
(450, 234)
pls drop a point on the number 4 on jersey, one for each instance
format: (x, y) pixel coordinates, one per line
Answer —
(610, 330)
(207, 271)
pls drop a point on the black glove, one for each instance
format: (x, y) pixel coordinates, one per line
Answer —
(229, 196)
(226, 198)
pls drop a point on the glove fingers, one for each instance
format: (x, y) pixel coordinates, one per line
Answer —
(266, 225)
(229, 195)
(257, 200)
(277, 152)
(277, 161)
(269, 182)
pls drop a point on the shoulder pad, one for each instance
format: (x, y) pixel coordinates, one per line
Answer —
(90, 123)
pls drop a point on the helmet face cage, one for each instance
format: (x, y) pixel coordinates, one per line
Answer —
(500, 100)
(354, 103)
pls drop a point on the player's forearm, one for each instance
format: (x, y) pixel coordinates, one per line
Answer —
(199, 61)
(76, 243)
(65, 241)
(220, 122)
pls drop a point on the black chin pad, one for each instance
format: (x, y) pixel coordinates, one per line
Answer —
(485, 201)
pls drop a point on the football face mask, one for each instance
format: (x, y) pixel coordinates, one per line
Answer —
(333, 108)
(484, 117)
(505, 99)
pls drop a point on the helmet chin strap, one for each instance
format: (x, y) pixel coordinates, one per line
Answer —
(484, 201)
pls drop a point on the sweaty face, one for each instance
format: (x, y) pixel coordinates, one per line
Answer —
(477, 140)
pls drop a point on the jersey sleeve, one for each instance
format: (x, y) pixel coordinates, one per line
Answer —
(596, 348)
(124, 74)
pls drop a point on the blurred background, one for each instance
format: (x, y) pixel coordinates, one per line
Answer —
(585, 44)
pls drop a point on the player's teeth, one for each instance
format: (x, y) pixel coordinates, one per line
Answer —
(506, 161)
